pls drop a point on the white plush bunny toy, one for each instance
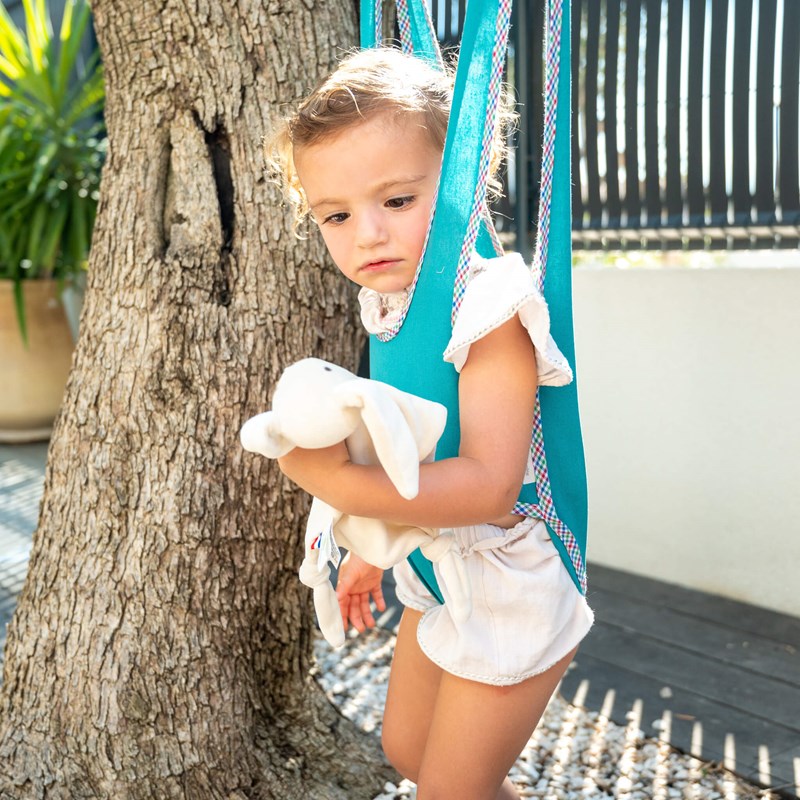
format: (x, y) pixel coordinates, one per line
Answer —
(317, 404)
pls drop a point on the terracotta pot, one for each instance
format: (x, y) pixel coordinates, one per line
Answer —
(32, 378)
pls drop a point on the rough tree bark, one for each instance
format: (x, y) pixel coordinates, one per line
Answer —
(162, 644)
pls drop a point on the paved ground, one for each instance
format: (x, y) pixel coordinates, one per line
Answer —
(21, 477)
(722, 677)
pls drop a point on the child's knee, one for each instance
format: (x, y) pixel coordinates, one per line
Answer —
(435, 787)
(400, 753)
(434, 784)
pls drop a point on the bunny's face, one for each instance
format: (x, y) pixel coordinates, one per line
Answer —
(310, 407)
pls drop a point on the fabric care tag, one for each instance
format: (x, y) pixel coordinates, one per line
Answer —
(328, 549)
(530, 473)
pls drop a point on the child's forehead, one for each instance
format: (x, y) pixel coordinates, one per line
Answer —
(404, 130)
(366, 159)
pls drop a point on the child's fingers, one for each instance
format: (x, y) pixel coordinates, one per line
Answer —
(377, 596)
(366, 611)
(356, 612)
(359, 612)
(351, 614)
(355, 606)
(344, 609)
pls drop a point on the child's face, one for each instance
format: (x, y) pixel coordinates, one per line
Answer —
(370, 188)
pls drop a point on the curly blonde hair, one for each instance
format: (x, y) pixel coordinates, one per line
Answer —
(366, 83)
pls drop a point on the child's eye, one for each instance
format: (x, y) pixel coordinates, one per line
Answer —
(336, 219)
(401, 202)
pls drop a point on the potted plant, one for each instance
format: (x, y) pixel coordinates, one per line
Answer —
(52, 144)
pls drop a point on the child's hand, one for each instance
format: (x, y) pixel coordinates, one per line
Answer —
(357, 581)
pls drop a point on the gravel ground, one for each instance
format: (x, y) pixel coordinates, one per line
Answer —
(574, 753)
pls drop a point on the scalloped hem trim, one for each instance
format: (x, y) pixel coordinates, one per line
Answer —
(501, 680)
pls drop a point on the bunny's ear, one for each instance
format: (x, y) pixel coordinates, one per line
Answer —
(425, 418)
(262, 434)
(391, 435)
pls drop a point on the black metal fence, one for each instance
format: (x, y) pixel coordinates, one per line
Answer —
(685, 121)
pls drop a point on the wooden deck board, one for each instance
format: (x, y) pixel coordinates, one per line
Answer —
(726, 643)
(689, 710)
(651, 636)
(755, 693)
(713, 608)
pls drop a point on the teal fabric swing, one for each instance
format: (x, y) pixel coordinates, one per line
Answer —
(411, 358)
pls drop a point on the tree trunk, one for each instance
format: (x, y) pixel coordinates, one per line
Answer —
(162, 643)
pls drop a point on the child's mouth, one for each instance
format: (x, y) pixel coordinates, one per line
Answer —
(378, 266)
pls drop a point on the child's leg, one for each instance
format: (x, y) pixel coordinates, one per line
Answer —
(477, 732)
(410, 699)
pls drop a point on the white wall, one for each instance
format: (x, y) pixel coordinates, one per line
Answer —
(689, 382)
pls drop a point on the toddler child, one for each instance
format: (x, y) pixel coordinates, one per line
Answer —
(361, 157)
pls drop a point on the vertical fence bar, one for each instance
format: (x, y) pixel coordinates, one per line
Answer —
(742, 31)
(535, 106)
(717, 189)
(590, 112)
(652, 183)
(695, 199)
(633, 202)
(519, 29)
(789, 180)
(765, 75)
(600, 201)
(674, 194)
(613, 208)
(578, 222)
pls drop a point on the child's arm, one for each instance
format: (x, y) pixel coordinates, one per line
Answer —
(497, 390)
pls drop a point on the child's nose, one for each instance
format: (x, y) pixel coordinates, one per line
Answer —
(371, 229)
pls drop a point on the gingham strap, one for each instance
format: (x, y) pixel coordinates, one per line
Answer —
(551, 72)
(479, 209)
(545, 509)
(404, 24)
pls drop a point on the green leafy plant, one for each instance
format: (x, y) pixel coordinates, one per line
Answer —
(52, 145)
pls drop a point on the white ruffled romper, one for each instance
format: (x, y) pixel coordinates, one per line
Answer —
(527, 613)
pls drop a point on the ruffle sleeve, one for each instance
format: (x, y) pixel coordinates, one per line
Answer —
(500, 288)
